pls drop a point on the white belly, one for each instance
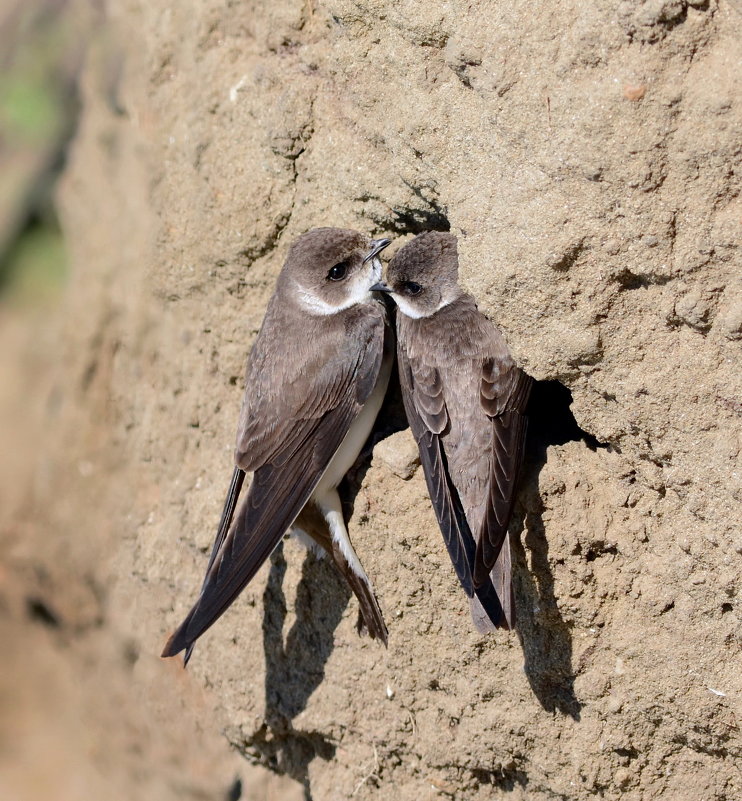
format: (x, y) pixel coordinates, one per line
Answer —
(357, 434)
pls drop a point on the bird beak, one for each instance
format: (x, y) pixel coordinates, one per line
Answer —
(377, 245)
(382, 287)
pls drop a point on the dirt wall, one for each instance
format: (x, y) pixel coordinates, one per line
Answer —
(588, 158)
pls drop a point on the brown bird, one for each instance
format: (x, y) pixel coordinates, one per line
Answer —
(316, 378)
(465, 400)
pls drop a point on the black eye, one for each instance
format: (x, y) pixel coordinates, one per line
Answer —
(337, 273)
(412, 288)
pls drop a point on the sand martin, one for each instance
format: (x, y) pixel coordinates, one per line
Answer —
(465, 400)
(316, 378)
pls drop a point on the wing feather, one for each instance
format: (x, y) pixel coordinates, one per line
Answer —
(422, 393)
(504, 394)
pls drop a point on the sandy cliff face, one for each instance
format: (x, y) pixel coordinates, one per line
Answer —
(588, 158)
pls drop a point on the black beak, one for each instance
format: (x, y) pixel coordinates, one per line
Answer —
(381, 287)
(377, 245)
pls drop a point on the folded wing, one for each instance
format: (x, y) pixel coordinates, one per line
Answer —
(504, 394)
(288, 436)
(422, 392)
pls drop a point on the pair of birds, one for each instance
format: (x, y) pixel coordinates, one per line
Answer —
(316, 378)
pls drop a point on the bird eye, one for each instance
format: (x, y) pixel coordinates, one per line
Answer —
(338, 272)
(412, 288)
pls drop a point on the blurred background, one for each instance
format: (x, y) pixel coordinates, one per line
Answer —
(42, 45)
(81, 715)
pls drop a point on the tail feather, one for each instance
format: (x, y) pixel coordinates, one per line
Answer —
(493, 605)
(370, 617)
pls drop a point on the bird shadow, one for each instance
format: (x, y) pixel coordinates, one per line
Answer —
(295, 665)
(544, 635)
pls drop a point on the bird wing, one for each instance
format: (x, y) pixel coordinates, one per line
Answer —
(289, 431)
(424, 402)
(504, 392)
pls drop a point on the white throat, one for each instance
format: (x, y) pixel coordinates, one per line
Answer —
(410, 311)
(313, 304)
